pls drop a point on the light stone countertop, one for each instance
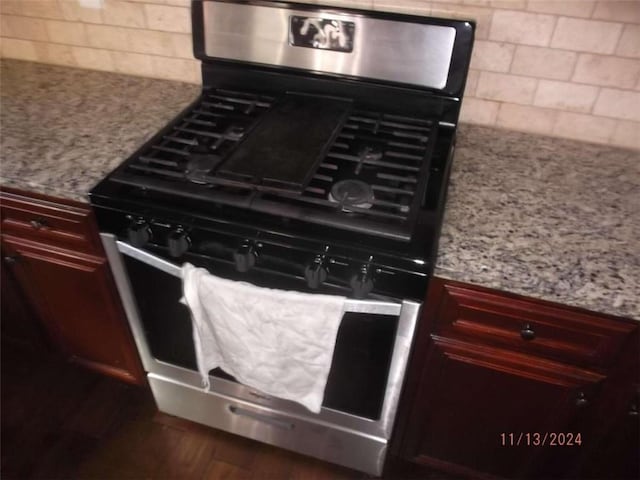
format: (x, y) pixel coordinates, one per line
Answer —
(63, 129)
(544, 217)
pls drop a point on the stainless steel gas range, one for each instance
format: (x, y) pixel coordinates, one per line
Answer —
(315, 159)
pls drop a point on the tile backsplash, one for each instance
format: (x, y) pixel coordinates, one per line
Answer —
(569, 68)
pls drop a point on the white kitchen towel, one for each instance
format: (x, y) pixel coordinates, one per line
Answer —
(279, 342)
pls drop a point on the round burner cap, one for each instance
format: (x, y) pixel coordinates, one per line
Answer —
(352, 193)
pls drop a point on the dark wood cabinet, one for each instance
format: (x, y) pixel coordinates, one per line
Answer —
(508, 387)
(17, 319)
(53, 257)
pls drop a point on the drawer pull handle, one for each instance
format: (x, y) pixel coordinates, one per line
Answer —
(581, 401)
(527, 333)
(275, 422)
(11, 259)
(38, 223)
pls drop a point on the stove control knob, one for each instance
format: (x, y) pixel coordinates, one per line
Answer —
(315, 272)
(361, 283)
(178, 242)
(139, 233)
(245, 257)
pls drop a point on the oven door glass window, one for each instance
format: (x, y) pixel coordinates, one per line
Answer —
(364, 346)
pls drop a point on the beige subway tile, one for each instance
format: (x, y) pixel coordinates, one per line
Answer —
(182, 45)
(629, 44)
(584, 127)
(55, 54)
(364, 4)
(522, 27)
(622, 104)
(543, 62)
(607, 71)
(492, 56)
(176, 3)
(509, 4)
(41, 9)
(170, 19)
(506, 88)
(415, 7)
(569, 8)
(482, 16)
(133, 63)
(476, 110)
(72, 10)
(565, 96)
(20, 49)
(177, 69)
(627, 134)
(472, 83)
(71, 33)
(93, 58)
(106, 36)
(477, 3)
(526, 118)
(619, 11)
(23, 27)
(125, 14)
(586, 35)
(11, 7)
(151, 41)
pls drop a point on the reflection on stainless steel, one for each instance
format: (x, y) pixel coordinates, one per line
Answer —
(332, 435)
(411, 53)
(322, 33)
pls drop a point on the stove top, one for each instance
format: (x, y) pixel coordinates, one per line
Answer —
(304, 157)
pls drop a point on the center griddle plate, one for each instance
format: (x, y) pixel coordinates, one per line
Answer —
(284, 149)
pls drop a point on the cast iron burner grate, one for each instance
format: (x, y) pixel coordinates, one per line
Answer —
(388, 153)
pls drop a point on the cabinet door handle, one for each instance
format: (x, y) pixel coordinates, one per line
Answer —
(633, 410)
(581, 400)
(527, 333)
(38, 223)
(11, 259)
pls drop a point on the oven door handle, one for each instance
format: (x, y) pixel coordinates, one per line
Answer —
(355, 306)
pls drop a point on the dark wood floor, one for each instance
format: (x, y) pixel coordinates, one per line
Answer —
(60, 421)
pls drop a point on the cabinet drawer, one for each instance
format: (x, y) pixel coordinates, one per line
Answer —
(529, 326)
(53, 223)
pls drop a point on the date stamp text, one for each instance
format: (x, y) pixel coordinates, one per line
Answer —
(540, 439)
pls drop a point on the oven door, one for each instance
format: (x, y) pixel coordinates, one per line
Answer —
(369, 362)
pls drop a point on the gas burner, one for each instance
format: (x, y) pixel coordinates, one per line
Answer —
(200, 165)
(352, 193)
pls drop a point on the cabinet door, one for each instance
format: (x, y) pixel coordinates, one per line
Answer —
(75, 298)
(19, 325)
(479, 410)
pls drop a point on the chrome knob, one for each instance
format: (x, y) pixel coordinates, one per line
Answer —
(178, 242)
(362, 282)
(245, 257)
(139, 233)
(315, 272)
